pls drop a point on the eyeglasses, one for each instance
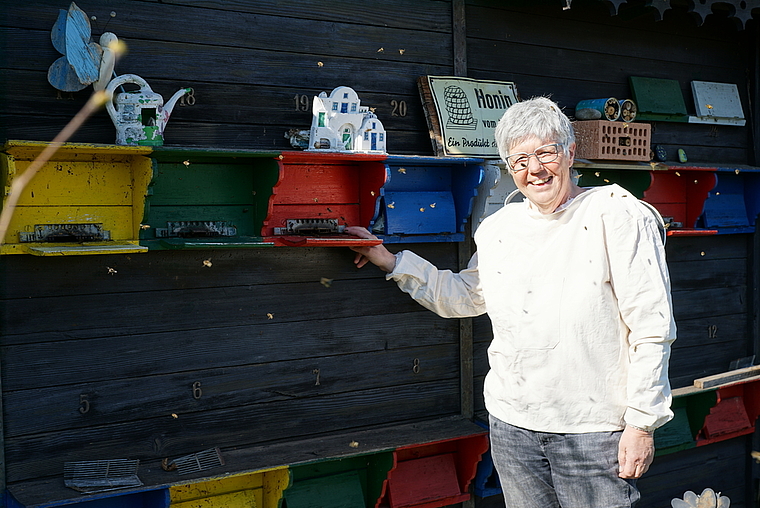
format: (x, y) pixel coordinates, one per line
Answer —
(544, 155)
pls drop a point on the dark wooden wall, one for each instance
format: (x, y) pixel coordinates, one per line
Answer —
(128, 346)
(583, 53)
(254, 65)
(101, 364)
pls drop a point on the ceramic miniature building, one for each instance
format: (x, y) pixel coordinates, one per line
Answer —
(341, 123)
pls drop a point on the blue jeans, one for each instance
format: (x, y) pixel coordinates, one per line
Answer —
(546, 470)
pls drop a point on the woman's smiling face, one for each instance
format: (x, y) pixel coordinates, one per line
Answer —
(547, 185)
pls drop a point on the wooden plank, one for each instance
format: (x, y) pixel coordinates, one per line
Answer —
(267, 137)
(726, 247)
(725, 378)
(204, 183)
(754, 93)
(158, 354)
(40, 455)
(249, 65)
(690, 275)
(219, 386)
(118, 220)
(753, 263)
(68, 183)
(581, 64)
(82, 316)
(307, 450)
(709, 301)
(672, 133)
(428, 17)
(676, 435)
(196, 491)
(25, 277)
(237, 499)
(215, 29)
(584, 24)
(717, 331)
(277, 107)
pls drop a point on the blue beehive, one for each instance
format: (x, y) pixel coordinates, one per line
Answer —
(426, 199)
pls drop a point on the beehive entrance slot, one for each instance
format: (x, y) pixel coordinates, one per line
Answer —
(196, 229)
(69, 233)
(310, 227)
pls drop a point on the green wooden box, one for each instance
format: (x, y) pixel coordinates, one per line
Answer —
(208, 198)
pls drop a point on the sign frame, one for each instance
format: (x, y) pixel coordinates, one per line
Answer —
(462, 112)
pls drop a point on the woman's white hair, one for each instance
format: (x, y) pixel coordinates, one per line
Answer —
(539, 118)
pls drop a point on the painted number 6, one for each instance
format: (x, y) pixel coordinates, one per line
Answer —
(197, 392)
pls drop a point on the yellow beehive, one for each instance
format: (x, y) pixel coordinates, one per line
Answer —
(260, 489)
(87, 199)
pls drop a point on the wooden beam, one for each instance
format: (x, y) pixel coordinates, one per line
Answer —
(753, 85)
(465, 338)
(459, 36)
(753, 288)
(725, 378)
(459, 44)
(2, 453)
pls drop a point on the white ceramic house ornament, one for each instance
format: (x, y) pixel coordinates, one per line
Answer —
(341, 124)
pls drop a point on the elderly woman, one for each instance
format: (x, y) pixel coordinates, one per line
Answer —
(575, 284)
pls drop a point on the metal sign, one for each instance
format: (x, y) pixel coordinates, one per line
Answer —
(462, 113)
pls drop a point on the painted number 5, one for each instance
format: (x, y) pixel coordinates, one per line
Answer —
(84, 404)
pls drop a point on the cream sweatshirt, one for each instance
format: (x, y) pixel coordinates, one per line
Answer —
(579, 302)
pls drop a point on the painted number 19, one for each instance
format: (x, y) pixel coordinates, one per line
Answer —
(302, 102)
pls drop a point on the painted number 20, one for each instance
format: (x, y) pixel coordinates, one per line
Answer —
(399, 108)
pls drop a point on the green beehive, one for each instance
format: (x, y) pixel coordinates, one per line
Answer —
(204, 198)
(351, 482)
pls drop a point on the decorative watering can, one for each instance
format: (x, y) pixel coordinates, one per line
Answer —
(139, 116)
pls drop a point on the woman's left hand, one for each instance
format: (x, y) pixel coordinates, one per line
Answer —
(635, 452)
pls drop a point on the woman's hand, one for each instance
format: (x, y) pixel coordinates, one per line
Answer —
(635, 452)
(376, 254)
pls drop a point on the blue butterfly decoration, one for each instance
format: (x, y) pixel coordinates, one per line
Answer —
(81, 61)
